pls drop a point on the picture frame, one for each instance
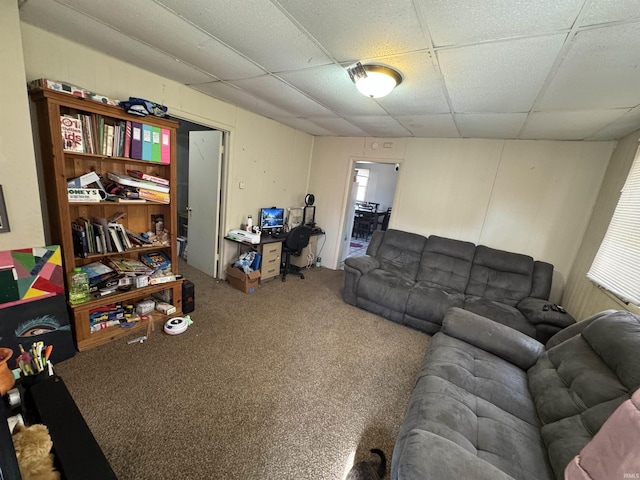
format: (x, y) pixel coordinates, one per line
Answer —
(4, 219)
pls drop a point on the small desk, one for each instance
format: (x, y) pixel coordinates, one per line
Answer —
(271, 250)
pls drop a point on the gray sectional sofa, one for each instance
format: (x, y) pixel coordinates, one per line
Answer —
(412, 279)
(491, 403)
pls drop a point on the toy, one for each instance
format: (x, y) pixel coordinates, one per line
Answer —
(33, 451)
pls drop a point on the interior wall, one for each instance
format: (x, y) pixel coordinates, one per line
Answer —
(530, 197)
(381, 187)
(583, 298)
(18, 175)
(271, 159)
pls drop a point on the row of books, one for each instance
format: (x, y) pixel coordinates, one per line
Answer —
(118, 138)
(138, 186)
(100, 235)
(135, 186)
(108, 272)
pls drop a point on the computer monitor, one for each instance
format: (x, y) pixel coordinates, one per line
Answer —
(271, 218)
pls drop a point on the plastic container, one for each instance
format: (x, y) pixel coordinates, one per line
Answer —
(78, 286)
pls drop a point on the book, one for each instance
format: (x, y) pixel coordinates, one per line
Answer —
(150, 178)
(98, 272)
(137, 183)
(122, 235)
(146, 142)
(136, 140)
(139, 239)
(165, 146)
(80, 245)
(115, 240)
(72, 137)
(155, 144)
(156, 260)
(105, 229)
(100, 233)
(130, 266)
(153, 196)
(83, 195)
(127, 140)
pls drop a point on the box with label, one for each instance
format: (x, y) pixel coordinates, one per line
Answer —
(165, 308)
(145, 306)
(84, 194)
(246, 282)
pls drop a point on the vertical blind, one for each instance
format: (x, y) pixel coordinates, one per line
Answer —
(616, 267)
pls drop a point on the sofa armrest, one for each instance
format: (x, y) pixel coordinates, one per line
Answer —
(363, 264)
(533, 309)
(354, 268)
(493, 337)
(428, 456)
(575, 329)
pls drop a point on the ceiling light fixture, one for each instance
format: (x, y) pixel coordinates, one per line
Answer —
(374, 81)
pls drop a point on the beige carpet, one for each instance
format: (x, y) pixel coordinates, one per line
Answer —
(285, 383)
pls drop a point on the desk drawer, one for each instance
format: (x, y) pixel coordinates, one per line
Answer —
(271, 250)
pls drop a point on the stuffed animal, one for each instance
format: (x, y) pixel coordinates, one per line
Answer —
(33, 451)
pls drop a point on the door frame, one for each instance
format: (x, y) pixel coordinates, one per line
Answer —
(345, 236)
(224, 181)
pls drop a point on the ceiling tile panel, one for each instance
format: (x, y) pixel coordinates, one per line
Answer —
(490, 125)
(338, 126)
(176, 37)
(602, 11)
(305, 125)
(430, 126)
(568, 125)
(360, 29)
(279, 93)
(421, 91)
(379, 126)
(256, 28)
(455, 22)
(601, 70)
(331, 86)
(503, 77)
(68, 23)
(240, 98)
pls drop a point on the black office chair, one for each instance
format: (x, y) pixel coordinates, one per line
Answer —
(297, 239)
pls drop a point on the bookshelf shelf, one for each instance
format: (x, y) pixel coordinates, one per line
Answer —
(61, 164)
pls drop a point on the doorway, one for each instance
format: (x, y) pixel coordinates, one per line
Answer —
(369, 207)
(201, 160)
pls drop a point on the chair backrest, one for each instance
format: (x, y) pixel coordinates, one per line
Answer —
(297, 239)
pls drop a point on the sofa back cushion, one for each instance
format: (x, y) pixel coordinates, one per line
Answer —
(399, 253)
(541, 281)
(617, 342)
(579, 383)
(446, 263)
(501, 276)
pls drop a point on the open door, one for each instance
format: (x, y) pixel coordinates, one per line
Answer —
(205, 159)
(348, 225)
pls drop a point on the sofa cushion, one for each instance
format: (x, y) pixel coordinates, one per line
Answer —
(487, 376)
(430, 303)
(480, 403)
(498, 275)
(500, 312)
(446, 263)
(400, 253)
(386, 288)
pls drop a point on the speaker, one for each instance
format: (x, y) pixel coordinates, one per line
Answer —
(188, 297)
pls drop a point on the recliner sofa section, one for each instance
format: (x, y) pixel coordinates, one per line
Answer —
(413, 280)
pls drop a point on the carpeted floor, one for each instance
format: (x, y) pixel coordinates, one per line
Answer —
(286, 383)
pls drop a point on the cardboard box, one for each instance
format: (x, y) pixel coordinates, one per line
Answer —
(246, 282)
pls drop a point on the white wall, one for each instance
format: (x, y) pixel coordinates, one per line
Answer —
(272, 160)
(531, 197)
(17, 161)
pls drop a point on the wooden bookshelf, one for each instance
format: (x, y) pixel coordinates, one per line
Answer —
(60, 165)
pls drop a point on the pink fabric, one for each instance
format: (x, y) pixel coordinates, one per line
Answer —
(614, 452)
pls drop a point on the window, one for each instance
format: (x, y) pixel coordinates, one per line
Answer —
(616, 267)
(362, 179)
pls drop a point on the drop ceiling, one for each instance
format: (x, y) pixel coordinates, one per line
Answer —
(525, 69)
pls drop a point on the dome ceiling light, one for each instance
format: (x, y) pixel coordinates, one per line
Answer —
(374, 81)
